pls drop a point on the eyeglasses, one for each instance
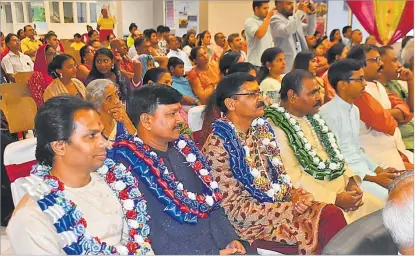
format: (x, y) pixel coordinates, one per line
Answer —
(360, 79)
(377, 59)
(251, 94)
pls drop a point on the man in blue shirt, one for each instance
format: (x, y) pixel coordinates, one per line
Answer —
(176, 68)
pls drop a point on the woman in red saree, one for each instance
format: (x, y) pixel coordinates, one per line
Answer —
(40, 79)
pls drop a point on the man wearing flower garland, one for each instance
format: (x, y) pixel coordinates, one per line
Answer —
(174, 177)
(70, 208)
(310, 152)
(259, 199)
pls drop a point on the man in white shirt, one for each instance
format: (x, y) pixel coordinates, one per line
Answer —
(347, 35)
(15, 61)
(235, 45)
(257, 30)
(176, 52)
(132, 52)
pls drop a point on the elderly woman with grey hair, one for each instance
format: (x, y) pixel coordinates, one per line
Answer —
(106, 98)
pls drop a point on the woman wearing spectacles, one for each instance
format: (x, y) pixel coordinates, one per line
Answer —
(87, 53)
(105, 96)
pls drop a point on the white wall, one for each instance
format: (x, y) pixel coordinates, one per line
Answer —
(139, 12)
(337, 16)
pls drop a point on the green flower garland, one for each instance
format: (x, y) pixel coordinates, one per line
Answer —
(309, 160)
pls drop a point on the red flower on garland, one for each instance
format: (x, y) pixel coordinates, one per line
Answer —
(110, 177)
(197, 165)
(124, 194)
(207, 178)
(83, 222)
(133, 232)
(132, 247)
(132, 215)
(186, 150)
(147, 148)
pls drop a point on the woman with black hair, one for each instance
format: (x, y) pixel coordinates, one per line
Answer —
(189, 42)
(87, 53)
(307, 61)
(335, 37)
(244, 67)
(104, 66)
(63, 71)
(228, 60)
(204, 39)
(320, 50)
(271, 71)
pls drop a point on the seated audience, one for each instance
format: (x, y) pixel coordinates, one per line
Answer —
(336, 52)
(270, 73)
(141, 46)
(399, 84)
(176, 52)
(130, 41)
(347, 35)
(71, 206)
(309, 151)
(85, 36)
(87, 58)
(21, 34)
(158, 75)
(258, 197)
(3, 47)
(398, 214)
(381, 118)
(41, 79)
(131, 69)
(151, 36)
(63, 70)
(356, 38)
(181, 84)
(319, 51)
(189, 42)
(106, 99)
(407, 55)
(132, 52)
(235, 45)
(311, 42)
(204, 76)
(205, 42)
(194, 215)
(104, 66)
(244, 43)
(342, 119)
(244, 67)
(52, 39)
(371, 40)
(29, 44)
(77, 44)
(308, 62)
(15, 61)
(96, 44)
(163, 33)
(335, 37)
(92, 36)
(220, 46)
(109, 39)
(227, 60)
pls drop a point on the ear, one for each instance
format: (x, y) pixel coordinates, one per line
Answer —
(268, 64)
(292, 97)
(230, 104)
(145, 121)
(59, 147)
(171, 69)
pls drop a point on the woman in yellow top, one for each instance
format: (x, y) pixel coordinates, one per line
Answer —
(105, 25)
(63, 70)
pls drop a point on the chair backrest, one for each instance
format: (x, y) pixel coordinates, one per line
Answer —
(13, 91)
(74, 53)
(20, 114)
(22, 77)
(195, 118)
(19, 157)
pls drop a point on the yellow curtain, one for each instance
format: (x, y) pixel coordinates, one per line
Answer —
(388, 15)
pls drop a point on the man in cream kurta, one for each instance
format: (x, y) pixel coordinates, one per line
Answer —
(323, 191)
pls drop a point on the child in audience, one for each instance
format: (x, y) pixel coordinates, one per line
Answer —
(176, 68)
(320, 51)
(77, 44)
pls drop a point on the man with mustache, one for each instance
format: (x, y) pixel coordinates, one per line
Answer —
(182, 198)
(380, 116)
(259, 198)
(310, 152)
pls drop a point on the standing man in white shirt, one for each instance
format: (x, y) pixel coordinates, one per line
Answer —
(176, 52)
(15, 61)
(288, 30)
(257, 31)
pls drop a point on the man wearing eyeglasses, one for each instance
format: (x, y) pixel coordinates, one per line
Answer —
(342, 117)
(380, 136)
(319, 169)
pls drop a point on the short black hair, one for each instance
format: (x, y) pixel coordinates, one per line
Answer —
(358, 52)
(139, 41)
(93, 41)
(258, 4)
(173, 62)
(9, 38)
(193, 53)
(227, 61)
(132, 25)
(216, 35)
(50, 35)
(57, 63)
(77, 35)
(154, 75)
(293, 80)
(342, 70)
(405, 41)
(148, 32)
(90, 33)
(302, 60)
(384, 49)
(55, 122)
(243, 67)
(159, 28)
(345, 28)
(147, 98)
(163, 29)
(335, 50)
(232, 36)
